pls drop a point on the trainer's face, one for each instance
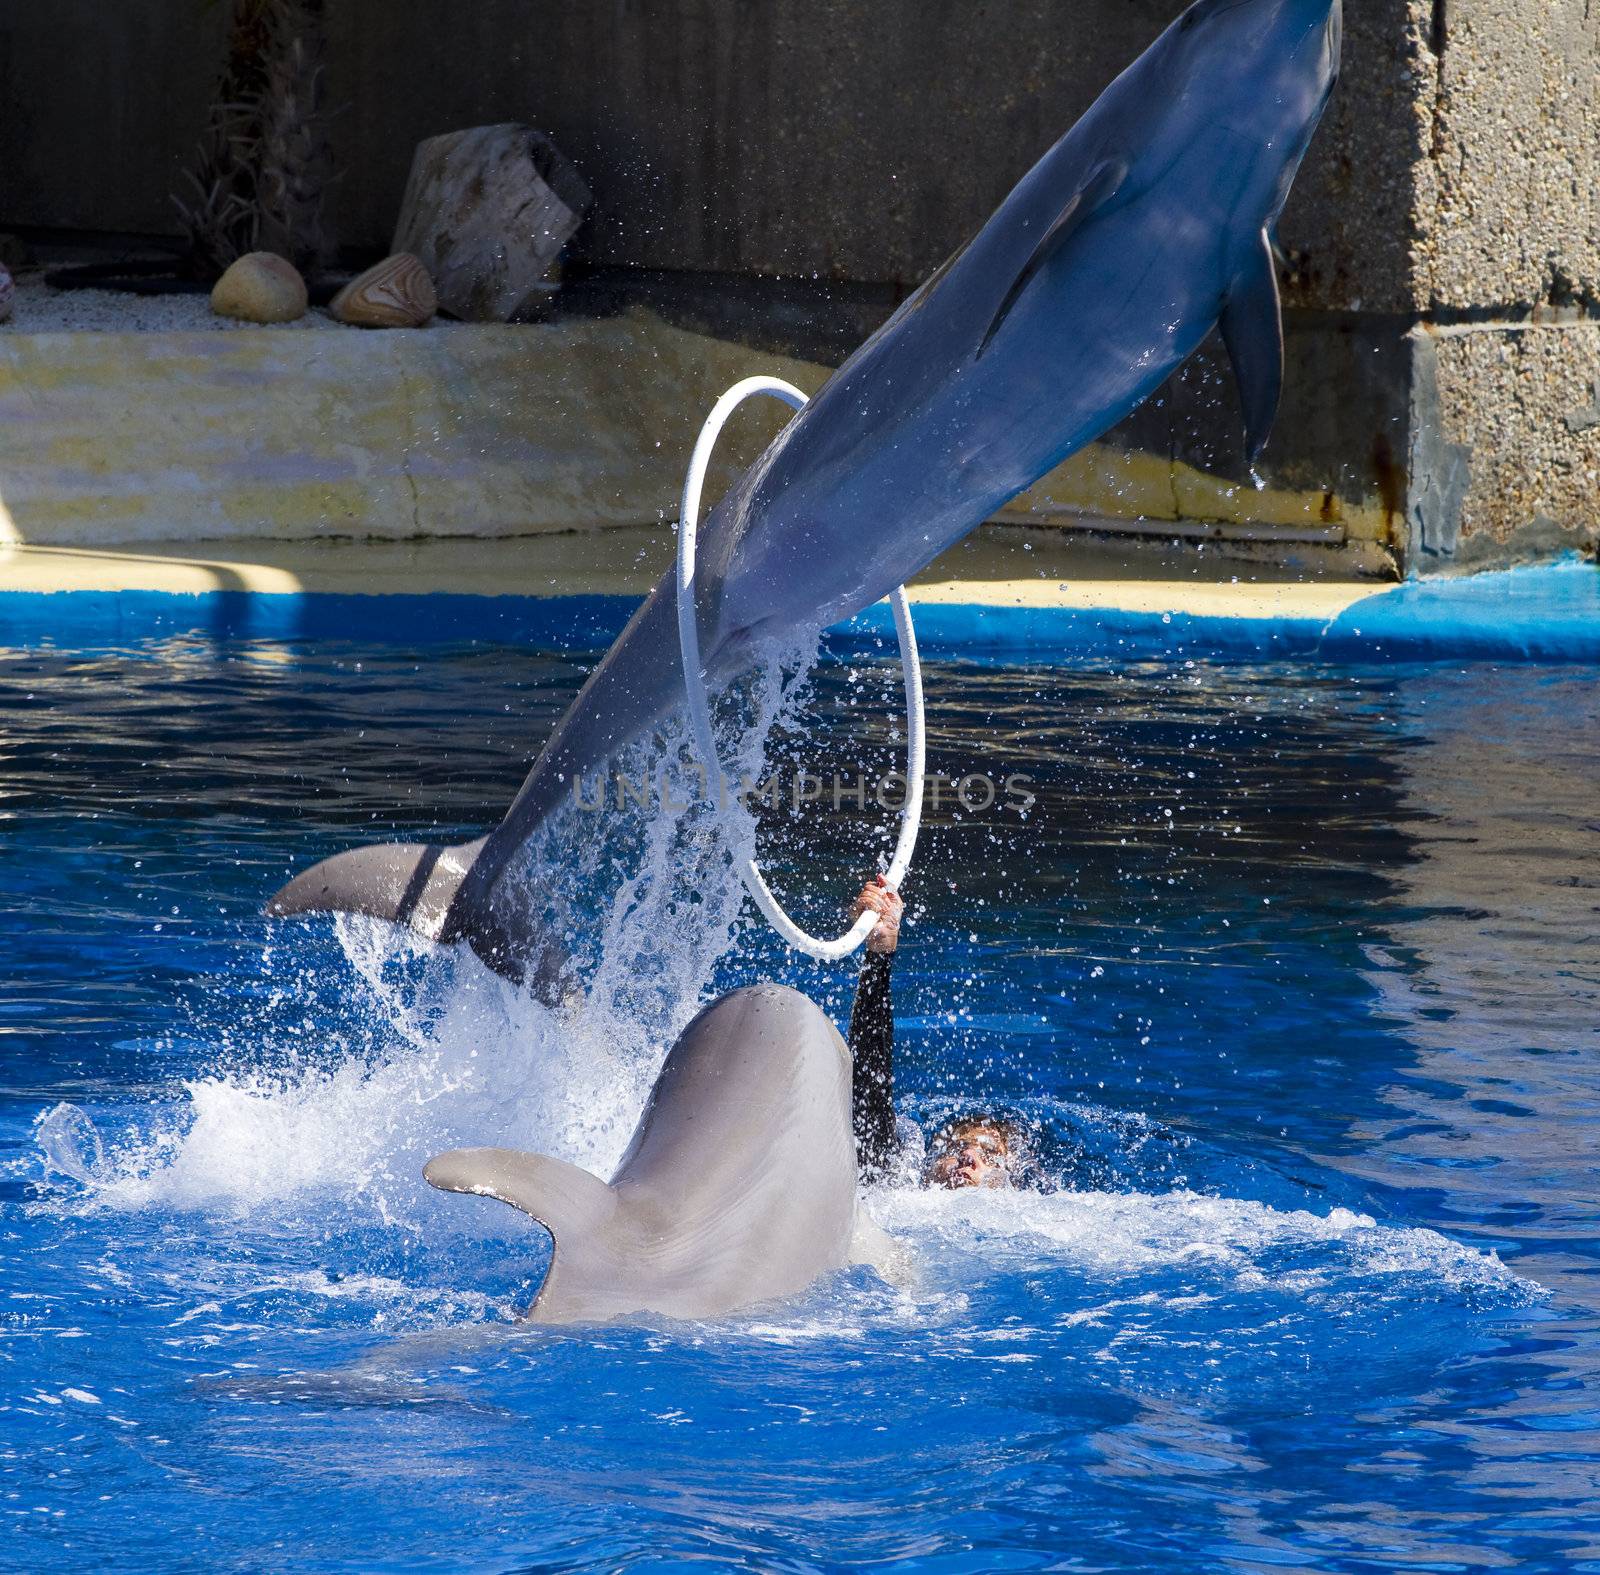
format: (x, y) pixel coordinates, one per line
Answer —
(975, 1155)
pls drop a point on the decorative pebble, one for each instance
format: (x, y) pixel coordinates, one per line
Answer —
(396, 293)
(7, 294)
(260, 287)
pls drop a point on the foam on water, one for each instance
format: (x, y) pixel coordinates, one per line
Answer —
(1111, 1235)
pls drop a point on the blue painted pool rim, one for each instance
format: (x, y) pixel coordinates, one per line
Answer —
(1547, 613)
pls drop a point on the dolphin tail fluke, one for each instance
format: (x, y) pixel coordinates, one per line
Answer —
(421, 885)
(405, 882)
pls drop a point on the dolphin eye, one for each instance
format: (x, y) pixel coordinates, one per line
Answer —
(1190, 17)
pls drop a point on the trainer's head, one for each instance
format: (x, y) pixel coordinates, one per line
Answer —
(977, 1150)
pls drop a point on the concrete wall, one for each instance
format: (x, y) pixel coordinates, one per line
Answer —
(109, 439)
(260, 433)
(100, 104)
(1507, 205)
(1458, 170)
(1443, 239)
(862, 141)
(1505, 274)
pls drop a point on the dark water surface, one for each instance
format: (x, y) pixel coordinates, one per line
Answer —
(1298, 967)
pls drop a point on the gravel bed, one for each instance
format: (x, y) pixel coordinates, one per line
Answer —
(41, 310)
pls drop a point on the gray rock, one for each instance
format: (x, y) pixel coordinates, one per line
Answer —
(487, 211)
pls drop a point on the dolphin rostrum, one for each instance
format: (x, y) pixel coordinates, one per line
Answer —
(739, 1186)
(1146, 226)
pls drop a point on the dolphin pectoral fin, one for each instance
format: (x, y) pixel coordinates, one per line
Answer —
(1252, 329)
(1101, 186)
(563, 1198)
(588, 1278)
(874, 1247)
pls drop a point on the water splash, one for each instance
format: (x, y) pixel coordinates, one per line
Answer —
(69, 1144)
(436, 1052)
(447, 1053)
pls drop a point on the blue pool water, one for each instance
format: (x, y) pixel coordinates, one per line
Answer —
(1296, 964)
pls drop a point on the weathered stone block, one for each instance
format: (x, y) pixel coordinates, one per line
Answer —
(1515, 404)
(1508, 197)
(1458, 168)
(487, 212)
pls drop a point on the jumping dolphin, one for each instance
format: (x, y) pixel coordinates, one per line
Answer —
(1146, 226)
(739, 1185)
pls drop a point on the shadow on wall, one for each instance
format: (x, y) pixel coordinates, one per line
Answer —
(219, 600)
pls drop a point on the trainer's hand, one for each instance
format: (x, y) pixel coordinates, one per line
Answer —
(881, 898)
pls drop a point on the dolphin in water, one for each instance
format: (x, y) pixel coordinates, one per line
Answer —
(1146, 226)
(739, 1186)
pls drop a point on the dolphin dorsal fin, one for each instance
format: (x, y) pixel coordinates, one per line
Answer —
(1252, 329)
(566, 1200)
(1104, 180)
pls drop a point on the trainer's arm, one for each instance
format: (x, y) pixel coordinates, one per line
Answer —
(872, 1036)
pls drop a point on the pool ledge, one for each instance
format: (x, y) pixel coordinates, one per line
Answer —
(1006, 594)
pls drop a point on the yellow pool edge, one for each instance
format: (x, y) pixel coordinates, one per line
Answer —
(999, 568)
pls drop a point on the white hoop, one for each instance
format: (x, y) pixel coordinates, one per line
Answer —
(694, 684)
